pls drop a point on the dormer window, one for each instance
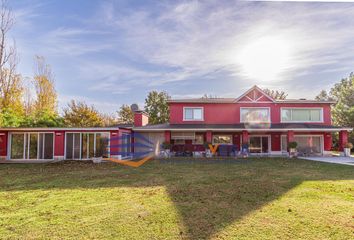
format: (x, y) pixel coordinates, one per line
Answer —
(193, 114)
(255, 115)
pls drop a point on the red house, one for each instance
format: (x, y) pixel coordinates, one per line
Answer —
(265, 124)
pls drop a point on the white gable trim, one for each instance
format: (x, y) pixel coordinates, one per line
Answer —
(250, 90)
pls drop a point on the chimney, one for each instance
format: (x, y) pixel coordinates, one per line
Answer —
(141, 118)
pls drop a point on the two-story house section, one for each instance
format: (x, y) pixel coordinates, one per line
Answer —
(267, 125)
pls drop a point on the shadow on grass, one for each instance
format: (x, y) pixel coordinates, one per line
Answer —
(208, 197)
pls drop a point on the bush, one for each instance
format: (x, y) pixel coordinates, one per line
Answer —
(206, 145)
(292, 144)
(166, 145)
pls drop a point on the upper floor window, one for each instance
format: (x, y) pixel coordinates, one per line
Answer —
(301, 115)
(255, 115)
(193, 114)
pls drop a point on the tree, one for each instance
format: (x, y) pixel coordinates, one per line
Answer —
(125, 114)
(324, 96)
(343, 94)
(279, 95)
(46, 96)
(11, 89)
(157, 108)
(109, 120)
(79, 114)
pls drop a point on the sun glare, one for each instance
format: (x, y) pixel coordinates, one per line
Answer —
(265, 59)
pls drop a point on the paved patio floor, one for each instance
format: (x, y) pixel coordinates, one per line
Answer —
(334, 159)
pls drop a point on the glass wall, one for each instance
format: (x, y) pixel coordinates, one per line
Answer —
(32, 146)
(305, 144)
(86, 145)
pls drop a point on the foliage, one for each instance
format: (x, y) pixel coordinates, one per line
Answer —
(166, 145)
(43, 119)
(324, 96)
(275, 94)
(109, 120)
(10, 118)
(292, 145)
(125, 114)
(157, 107)
(79, 114)
(206, 144)
(46, 96)
(343, 94)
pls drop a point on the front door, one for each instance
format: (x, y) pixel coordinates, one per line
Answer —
(259, 144)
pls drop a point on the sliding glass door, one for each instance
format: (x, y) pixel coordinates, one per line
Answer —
(86, 145)
(32, 146)
(259, 144)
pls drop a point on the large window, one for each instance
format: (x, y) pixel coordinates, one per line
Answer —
(255, 115)
(305, 144)
(301, 114)
(193, 114)
(222, 139)
(86, 145)
(32, 146)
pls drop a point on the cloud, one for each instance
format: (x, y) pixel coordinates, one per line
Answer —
(122, 49)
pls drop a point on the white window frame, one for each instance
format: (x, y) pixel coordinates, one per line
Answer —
(269, 114)
(302, 108)
(94, 145)
(304, 135)
(184, 113)
(26, 142)
(269, 143)
(228, 135)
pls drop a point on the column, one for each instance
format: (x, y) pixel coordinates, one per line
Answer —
(343, 139)
(245, 137)
(168, 136)
(209, 136)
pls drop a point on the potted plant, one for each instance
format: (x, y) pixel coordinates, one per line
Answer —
(347, 147)
(207, 149)
(292, 148)
(167, 147)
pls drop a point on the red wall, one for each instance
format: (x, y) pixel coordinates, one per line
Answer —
(3, 144)
(229, 113)
(59, 143)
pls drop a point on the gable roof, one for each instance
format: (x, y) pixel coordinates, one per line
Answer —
(256, 95)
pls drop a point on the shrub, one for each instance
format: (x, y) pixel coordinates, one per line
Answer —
(292, 144)
(166, 145)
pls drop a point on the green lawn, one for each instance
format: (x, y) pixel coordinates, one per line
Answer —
(248, 199)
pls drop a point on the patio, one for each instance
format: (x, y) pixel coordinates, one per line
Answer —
(333, 159)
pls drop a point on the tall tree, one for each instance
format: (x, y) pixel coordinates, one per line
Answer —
(125, 114)
(324, 96)
(79, 114)
(157, 108)
(46, 95)
(343, 110)
(275, 94)
(343, 94)
(11, 89)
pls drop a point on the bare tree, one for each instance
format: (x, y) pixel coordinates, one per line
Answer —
(10, 82)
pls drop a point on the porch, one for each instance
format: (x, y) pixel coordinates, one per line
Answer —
(228, 143)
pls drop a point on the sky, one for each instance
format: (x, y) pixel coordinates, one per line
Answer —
(109, 53)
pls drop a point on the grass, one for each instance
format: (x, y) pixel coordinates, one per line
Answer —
(247, 199)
